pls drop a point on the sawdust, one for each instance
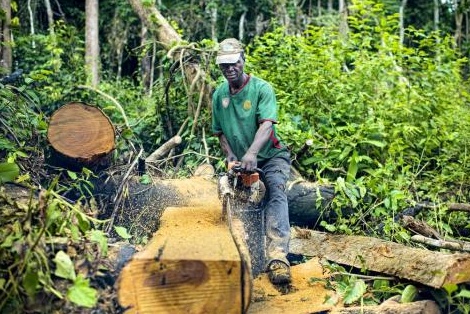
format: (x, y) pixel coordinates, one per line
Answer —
(301, 296)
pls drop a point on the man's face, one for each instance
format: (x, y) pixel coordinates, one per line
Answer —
(233, 72)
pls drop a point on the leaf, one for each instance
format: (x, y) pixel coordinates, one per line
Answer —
(352, 169)
(355, 291)
(72, 175)
(145, 179)
(30, 282)
(82, 294)
(8, 172)
(327, 226)
(380, 144)
(99, 237)
(122, 232)
(64, 266)
(464, 294)
(409, 294)
(450, 288)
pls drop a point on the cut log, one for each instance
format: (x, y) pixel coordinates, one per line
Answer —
(191, 265)
(80, 135)
(430, 268)
(418, 307)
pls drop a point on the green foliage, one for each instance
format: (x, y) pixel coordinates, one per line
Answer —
(380, 116)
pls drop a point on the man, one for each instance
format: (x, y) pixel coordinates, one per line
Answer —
(244, 114)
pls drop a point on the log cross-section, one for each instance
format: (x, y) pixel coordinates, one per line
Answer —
(81, 133)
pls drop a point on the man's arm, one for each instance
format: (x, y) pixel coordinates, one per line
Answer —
(249, 160)
(226, 148)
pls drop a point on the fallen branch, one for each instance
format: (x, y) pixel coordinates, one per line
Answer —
(164, 149)
(454, 245)
(419, 227)
(458, 207)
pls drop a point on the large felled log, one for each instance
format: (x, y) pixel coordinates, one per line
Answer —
(80, 135)
(191, 265)
(418, 307)
(431, 268)
(309, 202)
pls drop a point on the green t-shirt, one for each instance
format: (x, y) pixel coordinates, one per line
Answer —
(238, 116)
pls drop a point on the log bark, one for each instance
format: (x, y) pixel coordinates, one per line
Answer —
(81, 135)
(430, 268)
(418, 307)
(191, 265)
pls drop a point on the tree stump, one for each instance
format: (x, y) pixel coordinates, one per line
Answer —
(80, 135)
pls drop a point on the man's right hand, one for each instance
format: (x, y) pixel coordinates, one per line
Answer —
(230, 159)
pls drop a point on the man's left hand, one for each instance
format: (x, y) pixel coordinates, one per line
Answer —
(249, 161)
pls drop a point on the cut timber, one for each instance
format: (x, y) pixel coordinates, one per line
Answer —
(81, 134)
(431, 268)
(191, 265)
(418, 307)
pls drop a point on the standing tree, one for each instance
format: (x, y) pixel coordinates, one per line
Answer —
(5, 48)
(92, 53)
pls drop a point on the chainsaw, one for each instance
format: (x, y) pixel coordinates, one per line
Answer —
(242, 193)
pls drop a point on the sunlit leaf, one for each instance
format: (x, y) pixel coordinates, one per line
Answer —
(82, 294)
(8, 172)
(122, 232)
(355, 291)
(99, 237)
(64, 266)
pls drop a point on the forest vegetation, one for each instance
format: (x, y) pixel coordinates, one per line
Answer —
(373, 100)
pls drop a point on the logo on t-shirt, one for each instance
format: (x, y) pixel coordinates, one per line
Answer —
(225, 102)
(247, 105)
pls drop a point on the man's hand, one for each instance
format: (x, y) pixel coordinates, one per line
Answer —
(249, 161)
(230, 158)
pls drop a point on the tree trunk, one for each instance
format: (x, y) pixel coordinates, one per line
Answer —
(6, 49)
(436, 15)
(92, 50)
(50, 16)
(343, 12)
(402, 21)
(146, 62)
(431, 268)
(31, 23)
(80, 135)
